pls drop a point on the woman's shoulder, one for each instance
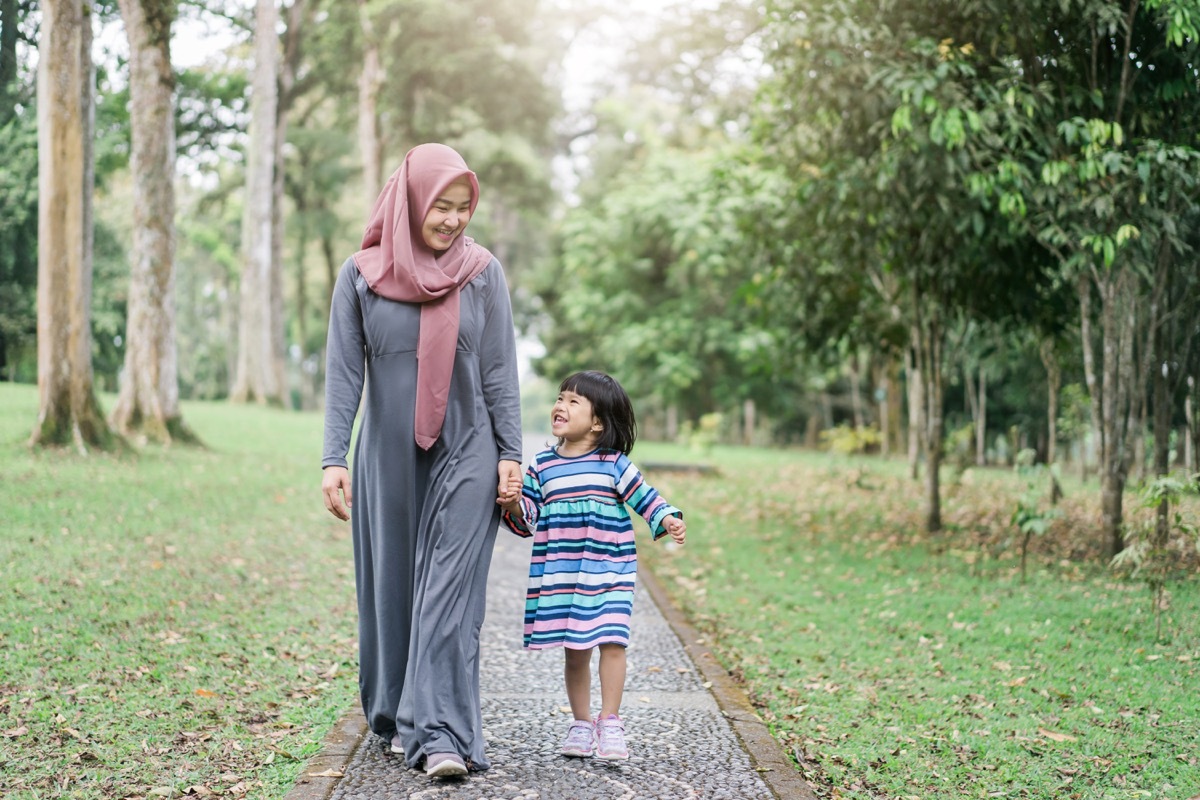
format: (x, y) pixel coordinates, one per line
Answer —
(494, 272)
(349, 272)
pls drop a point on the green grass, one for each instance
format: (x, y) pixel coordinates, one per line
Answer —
(182, 622)
(892, 664)
(174, 619)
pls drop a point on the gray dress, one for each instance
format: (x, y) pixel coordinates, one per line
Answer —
(424, 522)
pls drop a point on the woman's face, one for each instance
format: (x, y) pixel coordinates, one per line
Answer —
(448, 217)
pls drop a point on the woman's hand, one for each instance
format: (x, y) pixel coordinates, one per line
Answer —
(336, 478)
(509, 487)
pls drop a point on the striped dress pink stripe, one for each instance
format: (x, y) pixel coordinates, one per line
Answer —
(583, 566)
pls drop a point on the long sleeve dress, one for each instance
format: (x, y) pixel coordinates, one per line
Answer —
(583, 567)
(423, 522)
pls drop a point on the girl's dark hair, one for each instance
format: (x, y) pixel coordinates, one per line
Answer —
(610, 404)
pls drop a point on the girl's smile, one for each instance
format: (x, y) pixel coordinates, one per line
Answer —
(573, 421)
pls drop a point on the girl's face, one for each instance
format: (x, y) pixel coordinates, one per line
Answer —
(572, 419)
(448, 217)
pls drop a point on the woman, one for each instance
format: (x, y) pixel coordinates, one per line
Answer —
(421, 315)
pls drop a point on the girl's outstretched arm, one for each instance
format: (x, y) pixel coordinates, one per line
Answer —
(644, 498)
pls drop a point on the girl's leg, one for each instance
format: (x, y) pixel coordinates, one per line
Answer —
(577, 672)
(612, 679)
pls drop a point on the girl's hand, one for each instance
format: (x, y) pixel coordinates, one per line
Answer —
(677, 528)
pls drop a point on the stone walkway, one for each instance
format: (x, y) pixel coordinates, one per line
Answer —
(691, 733)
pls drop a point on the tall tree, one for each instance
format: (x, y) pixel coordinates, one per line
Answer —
(370, 83)
(1099, 165)
(259, 374)
(68, 412)
(147, 404)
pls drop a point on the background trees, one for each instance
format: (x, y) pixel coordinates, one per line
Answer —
(956, 229)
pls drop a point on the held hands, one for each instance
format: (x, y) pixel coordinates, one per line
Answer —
(677, 528)
(509, 488)
(336, 478)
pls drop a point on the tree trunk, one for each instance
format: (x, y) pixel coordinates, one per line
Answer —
(929, 337)
(749, 421)
(288, 69)
(935, 423)
(370, 82)
(981, 422)
(1053, 384)
(148, 401)
(856, 404)
(68, 412)
(1089, 372)
(916, 409)
(885, 389)
(1162, 431)
(259, 373)
(1121, 393)
(1193, 432)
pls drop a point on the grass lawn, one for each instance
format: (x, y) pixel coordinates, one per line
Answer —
(892, 664)
(176, 622)
(181, 622)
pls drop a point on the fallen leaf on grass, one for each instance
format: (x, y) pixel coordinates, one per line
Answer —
(13, 733)
(205, 693)
(1056, 737)
(329, 773)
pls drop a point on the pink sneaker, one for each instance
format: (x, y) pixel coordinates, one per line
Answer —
(610, 739)
(580, 740)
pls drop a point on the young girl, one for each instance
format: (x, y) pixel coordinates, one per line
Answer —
(584, 562)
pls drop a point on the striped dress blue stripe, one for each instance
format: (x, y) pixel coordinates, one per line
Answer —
(583, 567)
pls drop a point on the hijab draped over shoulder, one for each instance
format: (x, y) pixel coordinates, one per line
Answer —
(398, 265)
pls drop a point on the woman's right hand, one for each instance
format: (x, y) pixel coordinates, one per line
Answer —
(336, 478)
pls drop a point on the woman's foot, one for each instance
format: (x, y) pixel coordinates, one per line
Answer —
(397, 745)
(444, 765)
(580, 741)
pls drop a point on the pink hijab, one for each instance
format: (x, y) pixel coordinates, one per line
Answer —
(398, 265)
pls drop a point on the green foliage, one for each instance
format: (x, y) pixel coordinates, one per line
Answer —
(960, 446)
(849, 440)
(1034, 511)
(1074, 417)
(18, 247)
(702, 435)
(891, 668)
(646, 287)
(1152, 552)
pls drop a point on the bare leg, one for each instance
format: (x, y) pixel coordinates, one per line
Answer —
(612, 679)
(577, 671)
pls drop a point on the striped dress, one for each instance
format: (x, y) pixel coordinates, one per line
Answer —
(584, 562)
